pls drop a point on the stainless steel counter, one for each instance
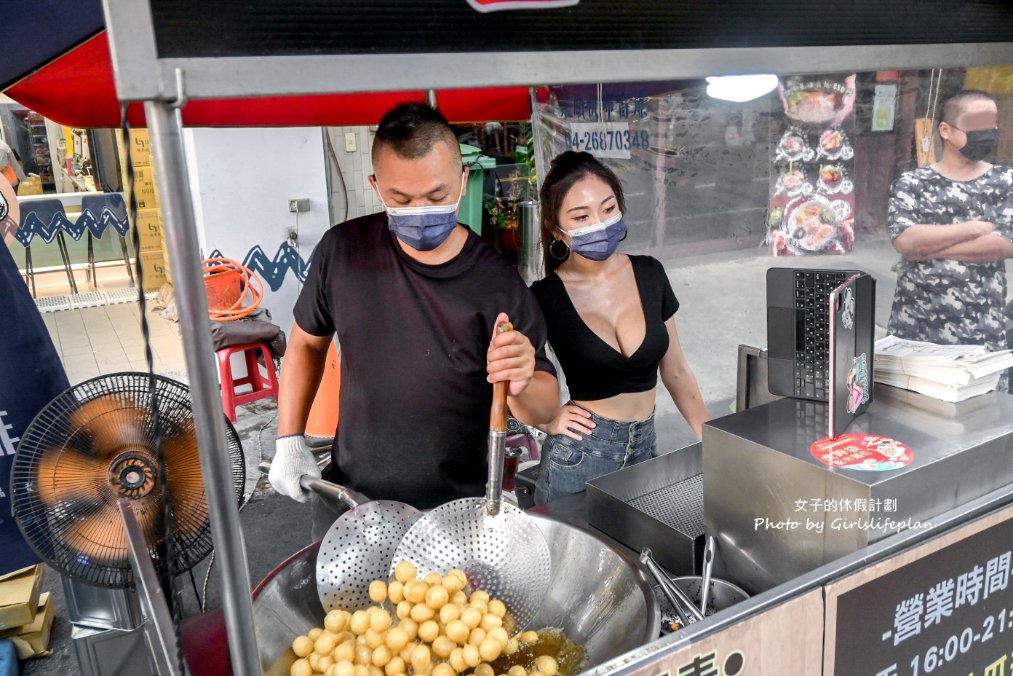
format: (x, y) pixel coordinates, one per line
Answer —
(960, 451)
(778, 512)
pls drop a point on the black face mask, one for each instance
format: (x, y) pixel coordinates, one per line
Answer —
(980, 144)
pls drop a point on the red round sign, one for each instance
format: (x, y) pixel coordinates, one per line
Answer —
(867, 452)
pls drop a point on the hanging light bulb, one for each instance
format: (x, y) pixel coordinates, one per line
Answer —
(740, 88)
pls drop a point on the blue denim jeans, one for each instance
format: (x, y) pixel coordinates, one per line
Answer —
(567, 464)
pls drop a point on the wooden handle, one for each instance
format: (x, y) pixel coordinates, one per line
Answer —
(498, 414)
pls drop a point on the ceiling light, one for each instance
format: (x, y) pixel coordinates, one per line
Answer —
(740, 87)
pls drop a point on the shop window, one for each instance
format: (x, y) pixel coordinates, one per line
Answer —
(699, 172)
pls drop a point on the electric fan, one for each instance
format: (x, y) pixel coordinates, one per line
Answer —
(95, 444)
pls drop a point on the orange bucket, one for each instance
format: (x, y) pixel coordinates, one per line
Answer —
(224, 288)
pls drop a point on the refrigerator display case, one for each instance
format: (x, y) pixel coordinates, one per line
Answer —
(36, 157)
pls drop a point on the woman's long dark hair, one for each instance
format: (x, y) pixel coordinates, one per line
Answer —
(566, 169)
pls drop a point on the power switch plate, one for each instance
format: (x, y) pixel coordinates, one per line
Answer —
(350, 142)
(298, 205)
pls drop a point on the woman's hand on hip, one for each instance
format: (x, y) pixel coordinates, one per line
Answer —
(571, 421)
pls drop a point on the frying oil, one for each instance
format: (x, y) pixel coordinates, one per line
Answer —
(551, 641)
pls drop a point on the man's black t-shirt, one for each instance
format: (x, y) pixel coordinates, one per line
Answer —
(414, 397)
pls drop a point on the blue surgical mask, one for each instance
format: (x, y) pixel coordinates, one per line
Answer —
(599, 241)
(423, 228)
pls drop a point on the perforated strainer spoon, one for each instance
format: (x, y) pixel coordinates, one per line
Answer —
(498, 547)
(358, 546)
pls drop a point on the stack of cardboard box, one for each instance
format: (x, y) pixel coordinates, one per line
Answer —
(149, 216)
(26, 615)
(32, 185)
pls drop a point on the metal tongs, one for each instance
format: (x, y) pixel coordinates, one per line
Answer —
(708, 567)
(686, 610)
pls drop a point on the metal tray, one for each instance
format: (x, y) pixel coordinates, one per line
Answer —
(656, 504)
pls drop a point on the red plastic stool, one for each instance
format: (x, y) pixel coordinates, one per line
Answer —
(262, 387)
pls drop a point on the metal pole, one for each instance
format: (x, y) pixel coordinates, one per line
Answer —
(184, 257)
(530, 253)
(157, 618)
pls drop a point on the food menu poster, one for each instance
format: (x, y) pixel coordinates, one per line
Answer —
(812, 191)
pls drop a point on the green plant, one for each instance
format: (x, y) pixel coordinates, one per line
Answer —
(500, 212)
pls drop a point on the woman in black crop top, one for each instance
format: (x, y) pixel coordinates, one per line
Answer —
(610, 319)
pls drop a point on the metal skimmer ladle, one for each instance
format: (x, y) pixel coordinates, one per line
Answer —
(501, 550)
(358, 546)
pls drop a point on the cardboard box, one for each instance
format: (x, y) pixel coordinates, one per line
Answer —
(19, 596)
(168, 266)
(144, 187)
(149, 227)
(32, 640)
(32, 185)
(155, 270)
(140, 148)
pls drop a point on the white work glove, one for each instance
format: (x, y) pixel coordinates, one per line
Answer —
(292, 459)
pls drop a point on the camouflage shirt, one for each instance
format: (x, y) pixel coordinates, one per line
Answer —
(947, 301)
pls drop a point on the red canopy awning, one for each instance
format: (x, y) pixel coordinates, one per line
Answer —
(78, 90)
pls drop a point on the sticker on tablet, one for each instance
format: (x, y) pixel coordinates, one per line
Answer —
(858, 383)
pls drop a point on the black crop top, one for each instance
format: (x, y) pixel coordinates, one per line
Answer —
(593, 368)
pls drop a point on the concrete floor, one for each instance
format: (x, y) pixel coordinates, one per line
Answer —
(722, 305)
(106, 339)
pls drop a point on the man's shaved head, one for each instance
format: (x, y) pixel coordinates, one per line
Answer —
(411, 130)
(955, 106)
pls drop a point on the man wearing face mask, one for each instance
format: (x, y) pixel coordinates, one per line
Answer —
(413, 298)
(952, 223)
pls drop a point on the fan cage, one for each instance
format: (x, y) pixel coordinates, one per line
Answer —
(45, 527)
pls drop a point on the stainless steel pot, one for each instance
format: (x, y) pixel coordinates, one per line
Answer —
(598, 595)
(723, 594)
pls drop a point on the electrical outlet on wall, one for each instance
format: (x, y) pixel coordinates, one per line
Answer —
(299, 205)
(350, 142)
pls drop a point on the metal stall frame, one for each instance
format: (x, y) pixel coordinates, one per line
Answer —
(166, 83)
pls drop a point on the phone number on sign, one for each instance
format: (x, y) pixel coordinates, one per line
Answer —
(605, 140)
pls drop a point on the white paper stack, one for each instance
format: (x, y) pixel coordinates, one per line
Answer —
(948, 372)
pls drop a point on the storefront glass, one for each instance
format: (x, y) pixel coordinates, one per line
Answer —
(63, 164)
(698, 169)
(720, 190)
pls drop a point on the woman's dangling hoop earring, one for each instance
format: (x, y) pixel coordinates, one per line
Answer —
(559, 256)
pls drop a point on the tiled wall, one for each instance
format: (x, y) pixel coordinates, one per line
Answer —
(355, 168)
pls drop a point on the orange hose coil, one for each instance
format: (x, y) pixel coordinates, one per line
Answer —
(224, 276)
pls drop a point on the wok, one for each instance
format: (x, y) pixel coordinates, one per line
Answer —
(597, 595)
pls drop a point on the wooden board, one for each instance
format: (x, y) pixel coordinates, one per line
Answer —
(787, 639)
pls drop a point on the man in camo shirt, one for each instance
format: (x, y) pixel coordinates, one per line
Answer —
(952, 223)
